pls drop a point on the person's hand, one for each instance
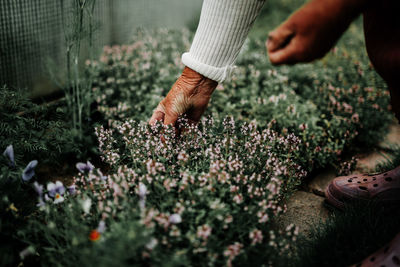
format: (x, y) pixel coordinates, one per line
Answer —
(312, 30)
(189, 95)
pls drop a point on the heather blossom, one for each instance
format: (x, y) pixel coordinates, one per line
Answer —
(256, 236)
(232, 251)
(175, 218)
(157, 163)
(204, 231)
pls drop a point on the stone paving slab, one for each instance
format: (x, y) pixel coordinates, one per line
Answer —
(321, 181)
(393, 137)
(305, 210)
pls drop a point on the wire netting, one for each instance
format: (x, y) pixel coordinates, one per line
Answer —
(32, 32)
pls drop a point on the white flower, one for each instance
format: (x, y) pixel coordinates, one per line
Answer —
(102, 227)
(58, 198)
(175, 218)
(152, 244)
(86, 204)
(142, 190)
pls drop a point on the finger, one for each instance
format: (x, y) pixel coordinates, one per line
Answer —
(170, 117)
(195, 113)
(279, 38)
(157, 116)
(290, 54)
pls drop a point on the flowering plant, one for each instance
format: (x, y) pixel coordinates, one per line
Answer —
(214, 180)
(206, 196)
(331, 105)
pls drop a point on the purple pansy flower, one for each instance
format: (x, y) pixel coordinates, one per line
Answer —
(47, 198)
(84, 167)
(9, 153)
(56, 191)
(72, 189)
(29, 170)
(39, 190)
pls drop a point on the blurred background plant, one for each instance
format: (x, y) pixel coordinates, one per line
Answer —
(78, 26)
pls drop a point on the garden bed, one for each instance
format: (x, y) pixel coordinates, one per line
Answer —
(210, 195)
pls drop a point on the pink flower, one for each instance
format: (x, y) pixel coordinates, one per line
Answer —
(375, 106)
(256, 236)
(347, 108)
(238, 198)
(355, 118)
(183, 156)
(203, 231)
(232, 251)
(303, 126)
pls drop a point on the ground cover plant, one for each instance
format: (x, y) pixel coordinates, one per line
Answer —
(331, 105)
(208, 197)
(207, 194)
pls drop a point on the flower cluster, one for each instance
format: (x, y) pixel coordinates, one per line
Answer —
(213, 178)
(329, 105)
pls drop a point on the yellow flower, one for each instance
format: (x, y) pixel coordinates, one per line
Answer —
(12, 207)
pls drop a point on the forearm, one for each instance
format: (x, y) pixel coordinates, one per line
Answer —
(222, 30)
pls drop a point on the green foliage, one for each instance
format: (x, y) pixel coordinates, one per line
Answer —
(35, 131)
(40, 131)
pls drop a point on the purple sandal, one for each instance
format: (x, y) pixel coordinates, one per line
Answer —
(388, 256)
(382, 187)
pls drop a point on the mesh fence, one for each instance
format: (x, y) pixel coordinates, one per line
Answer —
(32, 32)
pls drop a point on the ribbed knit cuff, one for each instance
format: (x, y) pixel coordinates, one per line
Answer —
(211, 72)
(222, 30)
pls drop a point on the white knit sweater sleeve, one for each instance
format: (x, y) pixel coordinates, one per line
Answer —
(222, 30)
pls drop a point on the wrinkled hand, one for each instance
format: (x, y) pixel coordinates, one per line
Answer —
(312, 30)
(189, 95)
